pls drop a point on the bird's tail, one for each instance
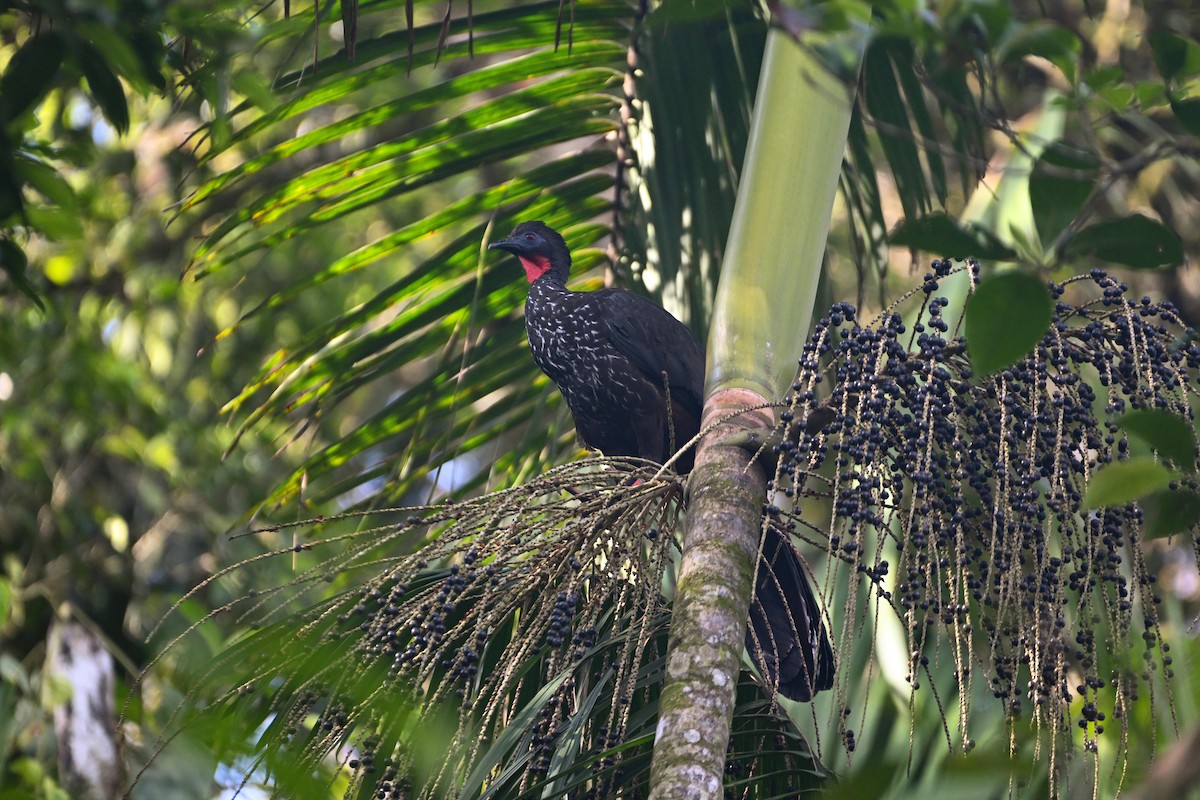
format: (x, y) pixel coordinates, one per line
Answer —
(786, 636)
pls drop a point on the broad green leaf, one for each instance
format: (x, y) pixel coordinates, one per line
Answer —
(57, 224)
(1150, 94)
(120, 54)
(1118, 96)
(30, 73)
(1044, 38)
(1005, 319)
(149, 48)
(1187, 111)
(1133, 241)
(1104, 77)
(45, 179)
(1124, 482)
(939, 234)
(1170, 512)
(1176, 56)
(1062, 181)
(1170, 434)
(988, 20)
(105, 86)
(255, 88)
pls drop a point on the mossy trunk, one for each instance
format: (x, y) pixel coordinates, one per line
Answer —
(763, 309)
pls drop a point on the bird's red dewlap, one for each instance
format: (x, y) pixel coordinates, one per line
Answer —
(535, 266)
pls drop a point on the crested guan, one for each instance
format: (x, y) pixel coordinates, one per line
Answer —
(608, 352)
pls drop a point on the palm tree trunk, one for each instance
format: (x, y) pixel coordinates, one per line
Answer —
(763, 309)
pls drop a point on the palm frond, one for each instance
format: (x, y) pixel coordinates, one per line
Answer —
(429, 355)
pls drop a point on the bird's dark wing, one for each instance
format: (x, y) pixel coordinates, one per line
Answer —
(786, 636)
(655, 342)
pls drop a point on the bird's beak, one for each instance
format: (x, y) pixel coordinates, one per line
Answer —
(505, 244)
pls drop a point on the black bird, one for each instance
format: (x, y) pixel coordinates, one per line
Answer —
(608, 352)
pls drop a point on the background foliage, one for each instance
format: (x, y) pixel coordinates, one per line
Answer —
(326, 214)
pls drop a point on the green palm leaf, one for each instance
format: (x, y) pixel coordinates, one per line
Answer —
(450, 317)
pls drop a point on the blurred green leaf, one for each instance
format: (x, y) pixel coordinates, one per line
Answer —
(1174, 55)
(30, 74)
(989, 20)
(1170, 512)
(968, 130)
(887, 104)
(14, 263)
(1118, 96)
(56, 223)
(1170, 434)
(1124, 482)
(149, 48)
(904, 60)
(105, 86)
(118, 51)
(1062, 181)
(46, 180)
(940, 234)
(1133, 241)
(1104, 77)
(1005, 319)
(256, 89)
(1150, 94)
(699, 10)
(1047, 39)
(6, 594)
(1187, 111)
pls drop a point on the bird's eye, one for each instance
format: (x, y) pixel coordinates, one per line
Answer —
(529, 237)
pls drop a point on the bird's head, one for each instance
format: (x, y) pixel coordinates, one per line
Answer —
(539, 248)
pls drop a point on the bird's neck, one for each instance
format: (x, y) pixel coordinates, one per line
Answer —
(549, 280)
